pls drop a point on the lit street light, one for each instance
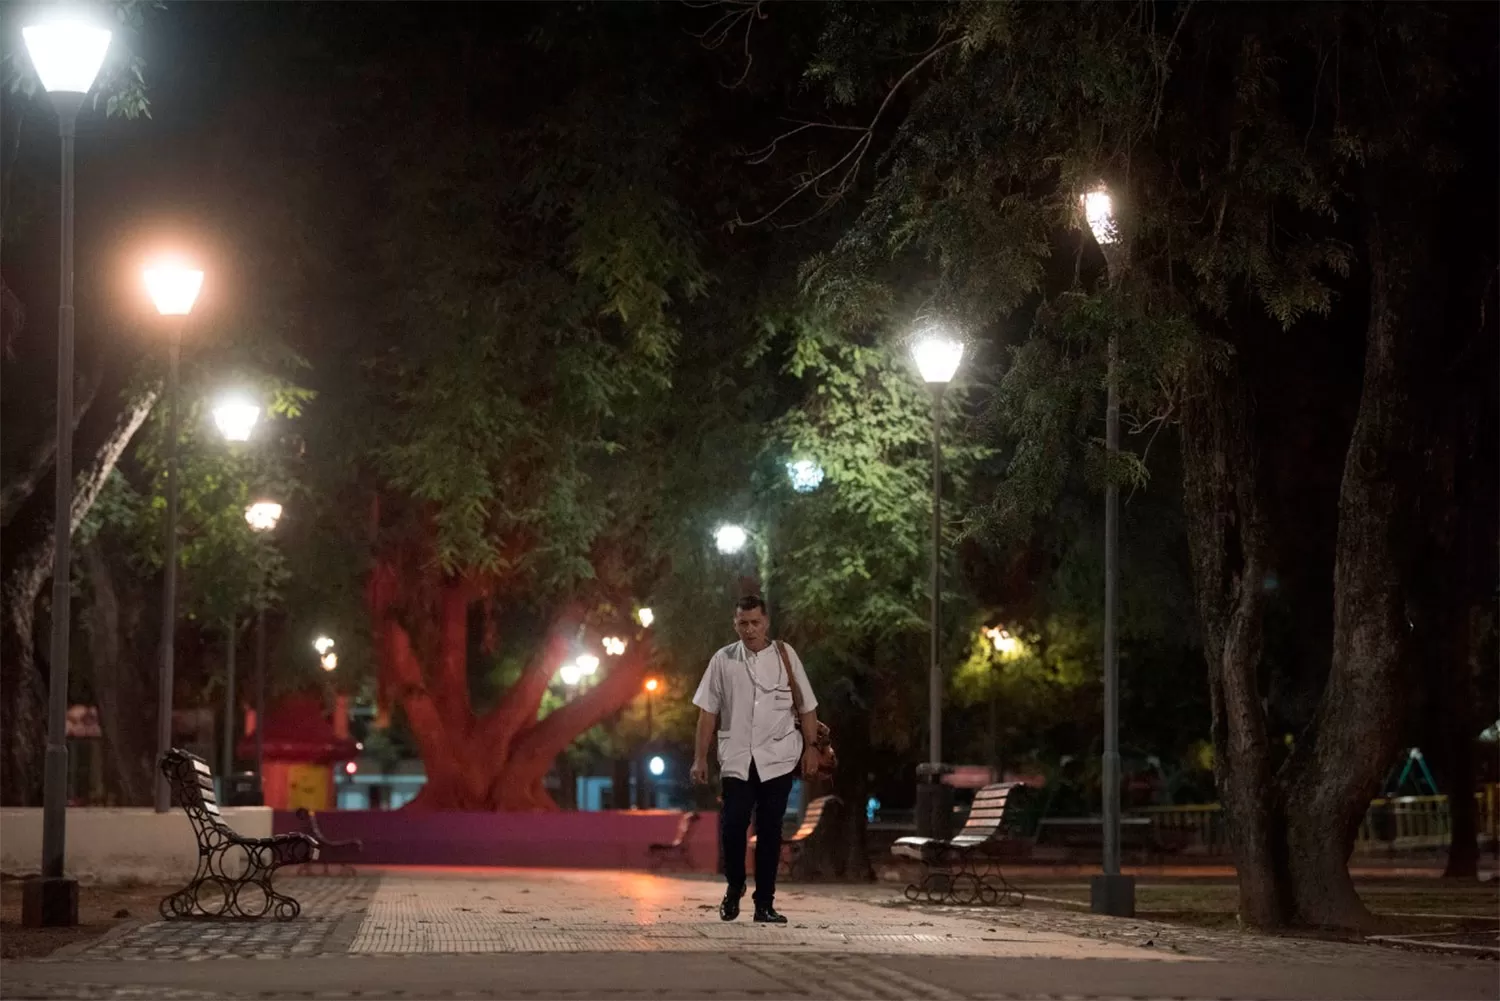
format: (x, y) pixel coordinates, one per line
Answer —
(174, 288)
(323, 644)
(937, 355)
(614, 646)
(570, 674)
(236, 416)
(1112, 893)
(588, 664)
(645, 617)
(329, 661)
(67, 55)
(658, 766)
(805, 474)
(262, 516)
(730, 539)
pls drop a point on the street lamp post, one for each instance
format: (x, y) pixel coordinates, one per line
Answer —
(67, 56)
(235, 419)
(937, 355)
(262, 517)
(174, 288)
(1111, 893)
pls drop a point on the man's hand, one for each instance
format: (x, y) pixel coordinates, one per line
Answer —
(810, 762)
(700, 771)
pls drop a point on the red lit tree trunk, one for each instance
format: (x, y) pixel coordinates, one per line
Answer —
(498, 760)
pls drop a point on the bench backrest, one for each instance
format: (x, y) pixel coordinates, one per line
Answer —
(193, 781)
(811, 819)
(684, 826)
(987, 815)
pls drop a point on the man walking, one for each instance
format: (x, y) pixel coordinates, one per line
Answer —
(745, 701)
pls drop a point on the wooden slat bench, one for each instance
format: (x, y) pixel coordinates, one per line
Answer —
(792, 847)
(233, 878)
(330, 852)
(676, 850)
(965, 869)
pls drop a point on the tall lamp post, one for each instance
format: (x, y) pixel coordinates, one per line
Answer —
(937, 355)
(262, 517)
(67, 56)
(235, 418)
(174, 288)
(1111, 893)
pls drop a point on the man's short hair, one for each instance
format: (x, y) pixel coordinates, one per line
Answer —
(750, 603)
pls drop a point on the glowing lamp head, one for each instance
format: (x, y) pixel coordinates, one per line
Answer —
(937, 355)
(805, 474)
(730, 539)
(652, 684)
(614, 646)
(67, 54)
(588, 664)
(657, 765)
(174, 287)
(1099, 210)
(1003, 641)
(350, 767)
(262, 516)
(645, 617)
(329, 660)
(235, 415)
(323, 644)
(570, 674)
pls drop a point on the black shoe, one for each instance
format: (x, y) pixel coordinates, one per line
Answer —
(729, 908)
(765, 914)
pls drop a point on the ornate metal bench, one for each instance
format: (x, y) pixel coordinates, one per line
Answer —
(675, 850)
(792, 847)
(966, 869)
(330, 852)
(233, 878)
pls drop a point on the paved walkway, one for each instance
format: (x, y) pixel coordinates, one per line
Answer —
(497, 933)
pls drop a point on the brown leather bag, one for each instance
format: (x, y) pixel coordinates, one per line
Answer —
(828, 759)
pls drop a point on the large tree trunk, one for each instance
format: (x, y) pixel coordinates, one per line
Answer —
(498, 761)
(27, 542)
(121, 681)
(1339, 764)
(1227, 543)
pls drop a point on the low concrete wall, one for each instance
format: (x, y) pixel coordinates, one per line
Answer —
(117, 845)
(608, 839)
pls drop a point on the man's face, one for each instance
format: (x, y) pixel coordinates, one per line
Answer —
(752, 627)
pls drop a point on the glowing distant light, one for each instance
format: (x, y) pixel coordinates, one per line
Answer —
(1003, 641)
(937, 356)
(587, 664)
(330, 660)
(657, 766)
(614, 646)
(323, 644)
(236, 416)
(570, 674)
(174, 287)
(350, 768)
(1099, 210)
(645, 617)
(652, 684)
(805, 474)
(67, 54)
(730, 539)
(262, 516)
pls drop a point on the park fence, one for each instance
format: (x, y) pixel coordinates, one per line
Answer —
(1391, 825)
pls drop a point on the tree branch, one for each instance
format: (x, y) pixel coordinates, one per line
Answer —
(854, 157)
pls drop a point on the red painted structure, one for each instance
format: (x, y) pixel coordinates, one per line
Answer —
(606, 839)
(303, 740)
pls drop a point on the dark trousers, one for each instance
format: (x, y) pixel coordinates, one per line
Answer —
(768, 801)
